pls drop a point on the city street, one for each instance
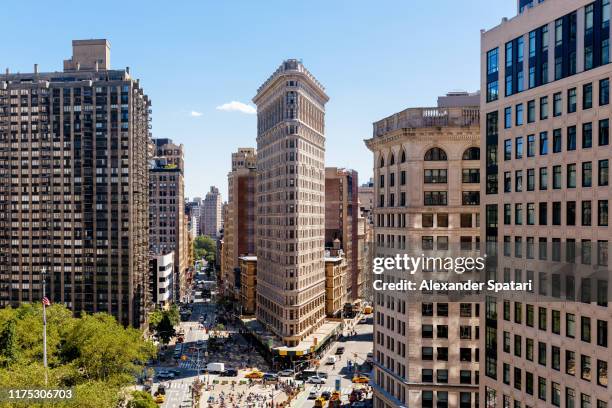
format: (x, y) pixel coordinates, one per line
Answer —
(356, 349)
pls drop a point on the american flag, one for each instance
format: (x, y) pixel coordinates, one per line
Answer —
(45, 301)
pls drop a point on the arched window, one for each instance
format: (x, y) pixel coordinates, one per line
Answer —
(435, 154)
(382, 162)
(403, 158)
(473, 153)
(392, 161)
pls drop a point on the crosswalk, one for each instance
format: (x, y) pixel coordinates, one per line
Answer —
(343, 391)
(192, 364)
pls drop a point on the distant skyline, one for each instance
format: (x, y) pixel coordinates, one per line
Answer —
(201, 63)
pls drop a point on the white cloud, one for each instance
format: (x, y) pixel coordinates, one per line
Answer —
(235, 106)
(196, 114)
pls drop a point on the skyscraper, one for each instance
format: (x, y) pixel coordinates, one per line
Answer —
(211, 220)
(74, 186)
(290, 202)
(426, 198)
(239, 226)
(545, 125)
(167, 229)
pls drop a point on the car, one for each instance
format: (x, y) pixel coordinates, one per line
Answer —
(255, 374)
(315, 380)
(358, 404)
(340, 350)
(270, 377)
(326, 395)
(286, 373)
(312, 395)
(160, 398)
(361, 379)
(230, 372)
(330, 360)
(370, 357)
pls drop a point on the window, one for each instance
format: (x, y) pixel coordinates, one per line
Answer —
(435, 198)
(427, 331)
(432, 176)
(543, 143)
(442, 220)
(585, 329)
(519, 114)
(492, 70)
(542, 214)
(604, 91)
(542, 388)
(587, 174)
(507, 182)
(508, 117)
(466, 220)
(587, 135)
(465, 354)
(602, 333)
(586, 213)
(427, 243)
(470, 197)
(556, 140)
(587, 96)
(427, 375)
(427, 220)
(427, 353)
(543, 178)
(531, 111)
(519, 147)
(507, 214)
(557, 101)
(570, 213)
(604, 132)
(602, 213)
(530, 214)
(518, 214)
(585, 367)
(602, 373)
(544, 107)
(530, 145)
(435, 154)
(530, 179)
(427, 309)
(518, 180)
(571, 175)
(556, 213)
(602, 173)
(470, 175)
(557, 177)
(570, 362)
(472, 153)
(571, 138)
(507, 149)
(571, 100)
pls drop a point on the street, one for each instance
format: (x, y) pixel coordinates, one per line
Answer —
(208, 338)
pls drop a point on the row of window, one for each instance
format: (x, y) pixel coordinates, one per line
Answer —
(557, 177)
(572, 97)
(603, 139)
(586, 213)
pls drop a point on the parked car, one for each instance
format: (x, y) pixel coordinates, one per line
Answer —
(361, 379)
(331, 360)
(312, 395)
(340, 350)
(370, 357)
(315, 380)
(255, 374)
(286, 373)
(326, 395)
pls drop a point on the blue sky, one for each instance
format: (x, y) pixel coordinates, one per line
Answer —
(374, 58)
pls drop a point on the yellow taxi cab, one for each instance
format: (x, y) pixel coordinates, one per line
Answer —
(255, 374)
(361, 379)
(160, 398)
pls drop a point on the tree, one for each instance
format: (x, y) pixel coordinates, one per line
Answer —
(205, 247)
(8, 344)
(141, 399)
(165, 329)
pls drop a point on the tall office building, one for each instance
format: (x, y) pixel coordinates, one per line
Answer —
(545, 76)
(74, 186)
(211, 219)
(239, 226)
(167, 224)
(290, 229)
(341, 214)
(426, 198)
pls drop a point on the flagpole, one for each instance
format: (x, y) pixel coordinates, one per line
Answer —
(44, 276)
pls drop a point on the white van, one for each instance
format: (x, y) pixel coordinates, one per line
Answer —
(331, 360)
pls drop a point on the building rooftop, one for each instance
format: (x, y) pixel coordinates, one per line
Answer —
(414, 118)
(287, 67)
